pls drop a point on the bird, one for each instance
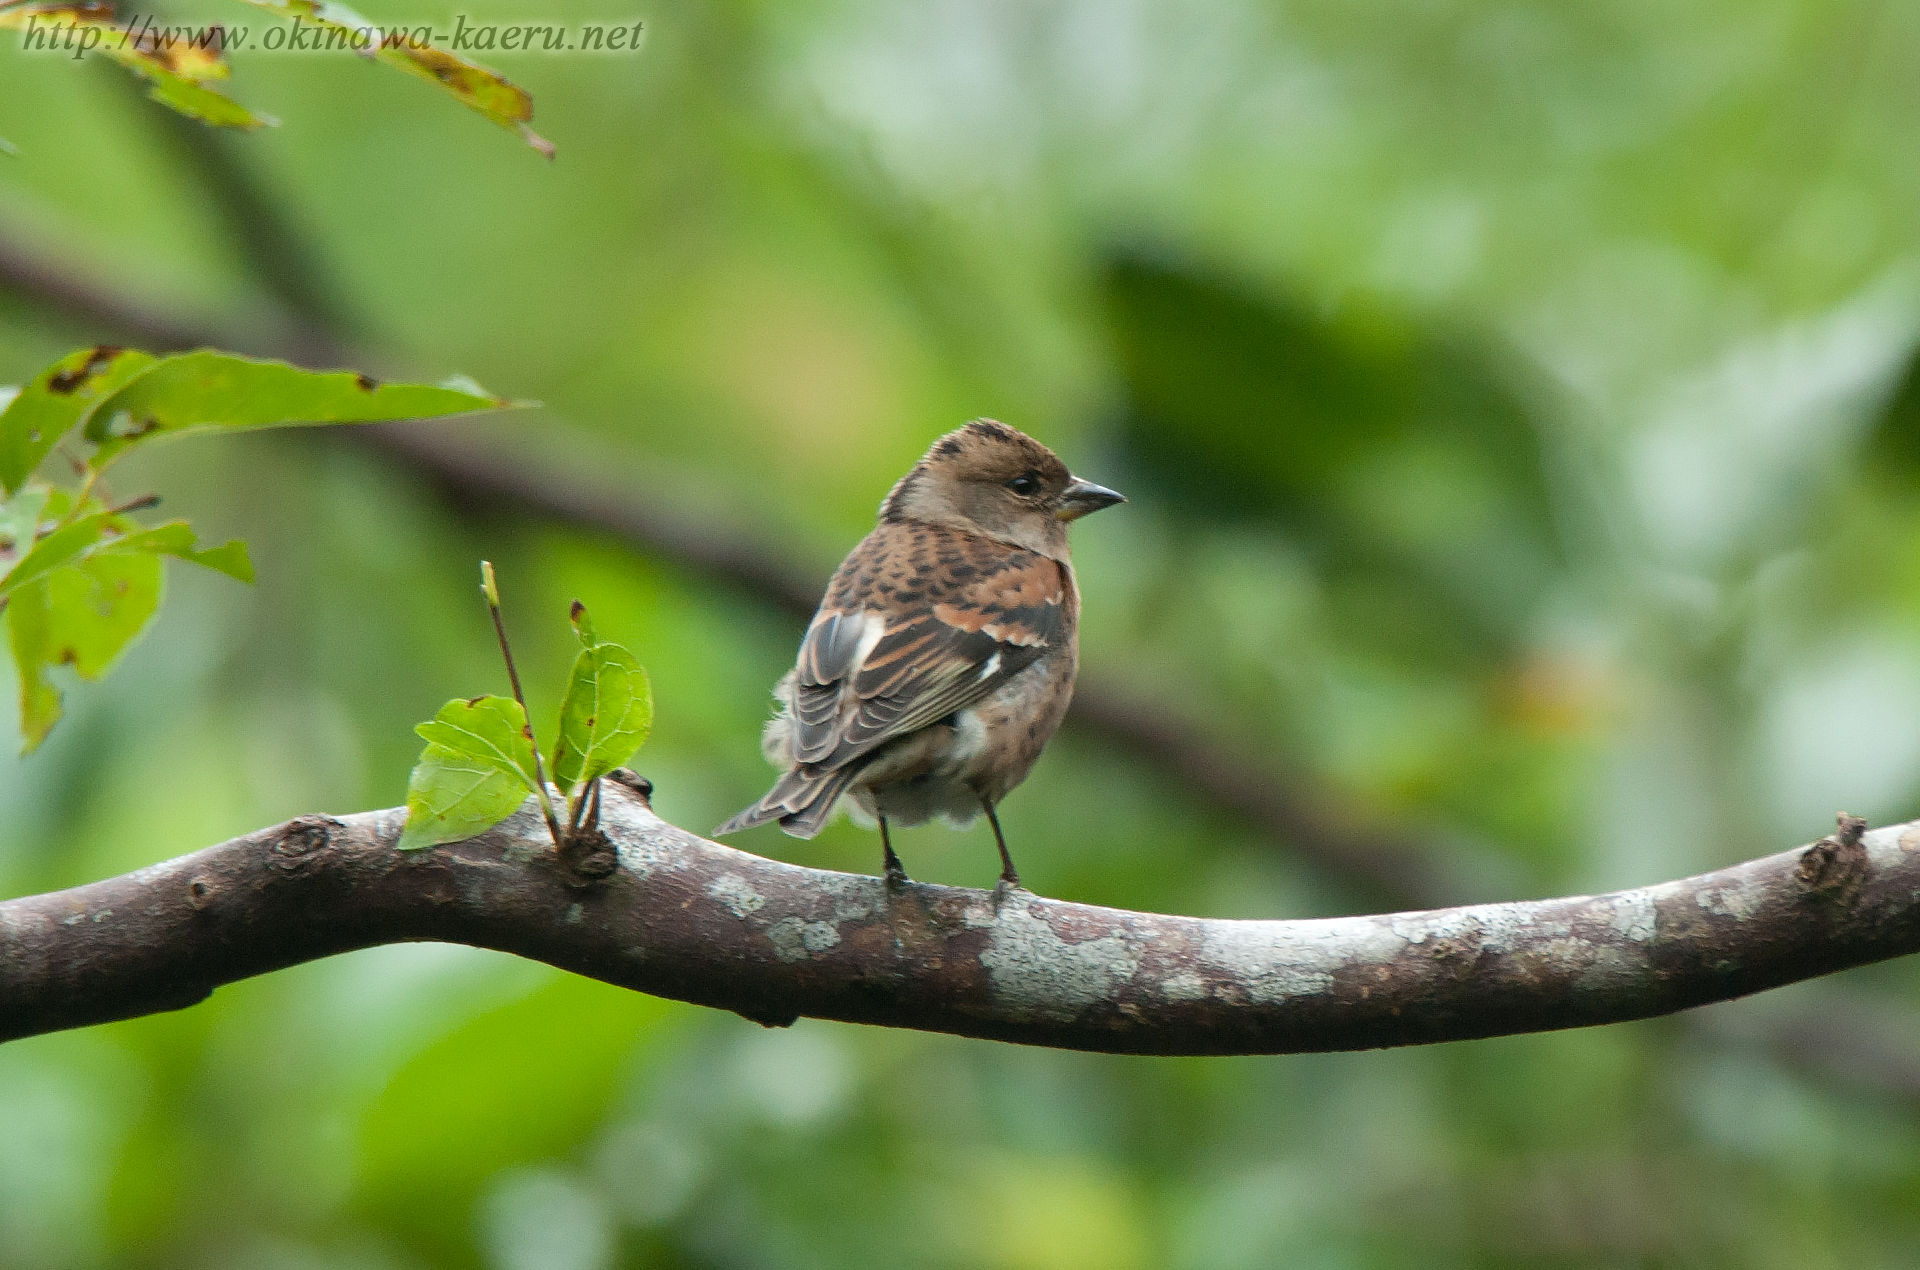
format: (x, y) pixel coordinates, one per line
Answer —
(942, 656)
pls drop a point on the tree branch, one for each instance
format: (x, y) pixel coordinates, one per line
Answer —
(689, 919)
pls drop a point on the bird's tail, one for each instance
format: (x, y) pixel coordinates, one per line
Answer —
(801, 801)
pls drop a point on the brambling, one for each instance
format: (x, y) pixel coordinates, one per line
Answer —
(942, 657)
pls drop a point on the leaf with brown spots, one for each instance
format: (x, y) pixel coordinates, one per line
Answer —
(81, 615)
(57, 399)
(205, 390)
(176, 68)
(473, 85)
(607, 713)
(81, 580)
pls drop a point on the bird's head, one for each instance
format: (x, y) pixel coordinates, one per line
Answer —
(997, 482)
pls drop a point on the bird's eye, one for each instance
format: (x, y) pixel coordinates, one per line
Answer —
(1024, 484)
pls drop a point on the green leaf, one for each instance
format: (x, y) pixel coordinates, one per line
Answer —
(39, 699)
(205, 390)
(453, 795)
(489, 729)
(59, 397)
(476, 770)
(607, 713)
(472, 84)
(80, 592)
(62, 547)
(176, 538)
(84, 592)
(119, 396)
(82, 615)
(177, 68)
(20, 520)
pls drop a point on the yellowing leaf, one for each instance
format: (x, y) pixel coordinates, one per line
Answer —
(175, 64)
(476, 87)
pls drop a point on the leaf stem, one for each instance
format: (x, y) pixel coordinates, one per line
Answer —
(579, 814)
(80, 499)
(489, 589)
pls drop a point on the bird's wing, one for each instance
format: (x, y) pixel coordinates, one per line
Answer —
(919, 622)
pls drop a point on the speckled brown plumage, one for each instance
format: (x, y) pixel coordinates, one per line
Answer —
(942, 657)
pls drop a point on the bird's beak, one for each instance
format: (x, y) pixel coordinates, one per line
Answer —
(1082, 497)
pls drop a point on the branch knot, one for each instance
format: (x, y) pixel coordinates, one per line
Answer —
(300, 845)
(588, 856)
(1834, 867)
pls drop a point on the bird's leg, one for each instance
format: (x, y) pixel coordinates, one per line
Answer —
(1007, 872)
(896, 872)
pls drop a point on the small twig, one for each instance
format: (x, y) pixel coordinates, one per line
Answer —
(74, 461)
(489, 589)
(140, 504)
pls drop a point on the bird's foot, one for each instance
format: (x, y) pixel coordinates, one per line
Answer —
(894, 872)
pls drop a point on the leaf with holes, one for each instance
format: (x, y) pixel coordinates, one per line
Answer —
(59, 397)
(206, 391)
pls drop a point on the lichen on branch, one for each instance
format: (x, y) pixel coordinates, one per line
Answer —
(693, 920)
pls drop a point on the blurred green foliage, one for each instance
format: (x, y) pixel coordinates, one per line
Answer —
(82, 575)
(1511, 397)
